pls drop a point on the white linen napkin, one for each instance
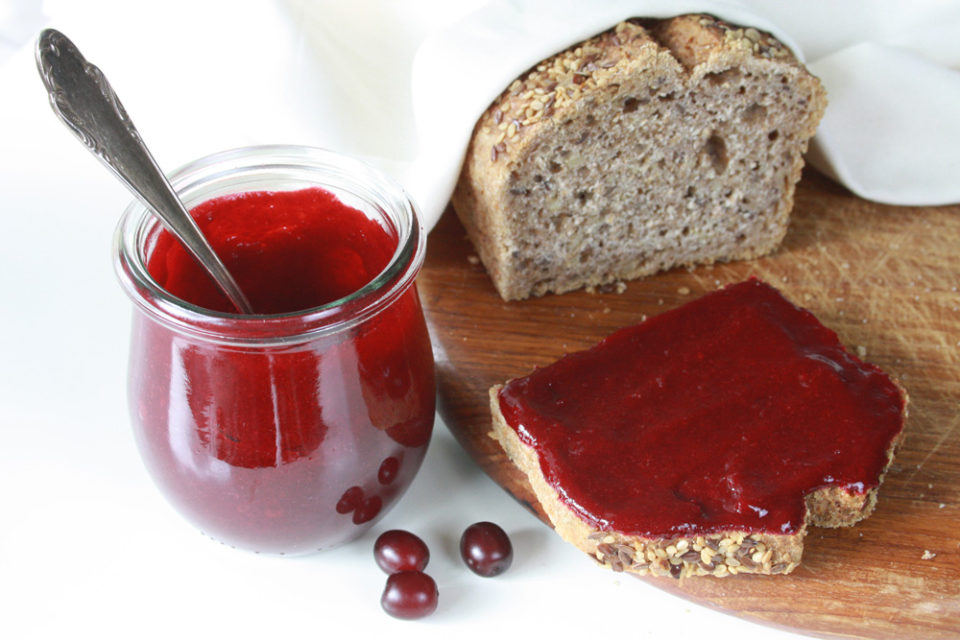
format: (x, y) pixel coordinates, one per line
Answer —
(891, 131)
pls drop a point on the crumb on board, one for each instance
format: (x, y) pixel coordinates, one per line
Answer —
(684, 291)
(472, 259)
(928, 555)
(861, 351)
(617, 287)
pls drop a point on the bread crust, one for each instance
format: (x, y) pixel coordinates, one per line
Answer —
(719, 554)
(605, 162)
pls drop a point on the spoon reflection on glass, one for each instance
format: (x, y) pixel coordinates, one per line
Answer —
(83, 99)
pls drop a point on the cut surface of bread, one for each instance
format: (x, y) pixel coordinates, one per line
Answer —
(653, 145)
(706, 440)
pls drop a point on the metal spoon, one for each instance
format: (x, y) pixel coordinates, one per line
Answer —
(83, 99)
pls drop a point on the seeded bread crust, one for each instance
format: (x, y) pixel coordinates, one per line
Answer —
(719, 554)
(653, 145)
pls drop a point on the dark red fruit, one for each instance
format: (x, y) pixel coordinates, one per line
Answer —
(409, 595)
(398, 550)
(486, 549)
(367, 510)
(387, 472)
(350, 500)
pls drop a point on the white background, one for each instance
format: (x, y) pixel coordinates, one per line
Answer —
(88, 547)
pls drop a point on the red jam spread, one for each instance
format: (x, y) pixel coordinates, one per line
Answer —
(288, 251)
(283, 448)
(718, 415)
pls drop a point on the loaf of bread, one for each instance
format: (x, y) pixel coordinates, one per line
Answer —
(656, 144)
(706, 440)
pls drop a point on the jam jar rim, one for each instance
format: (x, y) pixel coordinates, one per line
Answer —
(331, 170)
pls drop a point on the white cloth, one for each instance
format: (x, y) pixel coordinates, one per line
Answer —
(891, 132)
(401, 84)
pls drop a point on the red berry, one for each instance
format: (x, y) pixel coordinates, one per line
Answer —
(367, 510)
(398, 550)
(486, 549)
(349, 500)
(387, 472)
(409, 595)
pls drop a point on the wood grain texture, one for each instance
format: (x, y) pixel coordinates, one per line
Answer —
(886, 279)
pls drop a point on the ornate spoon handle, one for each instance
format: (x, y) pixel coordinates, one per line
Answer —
(82, 98)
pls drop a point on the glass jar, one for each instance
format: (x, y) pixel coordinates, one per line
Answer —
(291, 432)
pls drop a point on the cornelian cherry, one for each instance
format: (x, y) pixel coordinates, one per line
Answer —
(410, 595)
(486, 549)
(398, 550)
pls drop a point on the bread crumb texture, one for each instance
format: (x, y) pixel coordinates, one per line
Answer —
(656, 144)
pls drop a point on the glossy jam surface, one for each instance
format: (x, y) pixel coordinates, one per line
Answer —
(721, 414)
(283, 449)
(288, 251)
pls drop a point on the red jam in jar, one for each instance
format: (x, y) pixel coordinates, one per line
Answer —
(294, 429)
(290, 250)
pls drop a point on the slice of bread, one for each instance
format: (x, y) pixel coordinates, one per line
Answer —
(653, 145)
(716, 554)
(810, 472)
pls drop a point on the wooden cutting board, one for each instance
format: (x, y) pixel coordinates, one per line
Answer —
(886, 279)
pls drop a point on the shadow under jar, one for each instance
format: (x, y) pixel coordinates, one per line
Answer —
(295, 429)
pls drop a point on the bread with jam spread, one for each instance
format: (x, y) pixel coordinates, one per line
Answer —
(706, 440)
(656, 144)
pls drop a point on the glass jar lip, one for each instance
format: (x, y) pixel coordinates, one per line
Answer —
(327, 169)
